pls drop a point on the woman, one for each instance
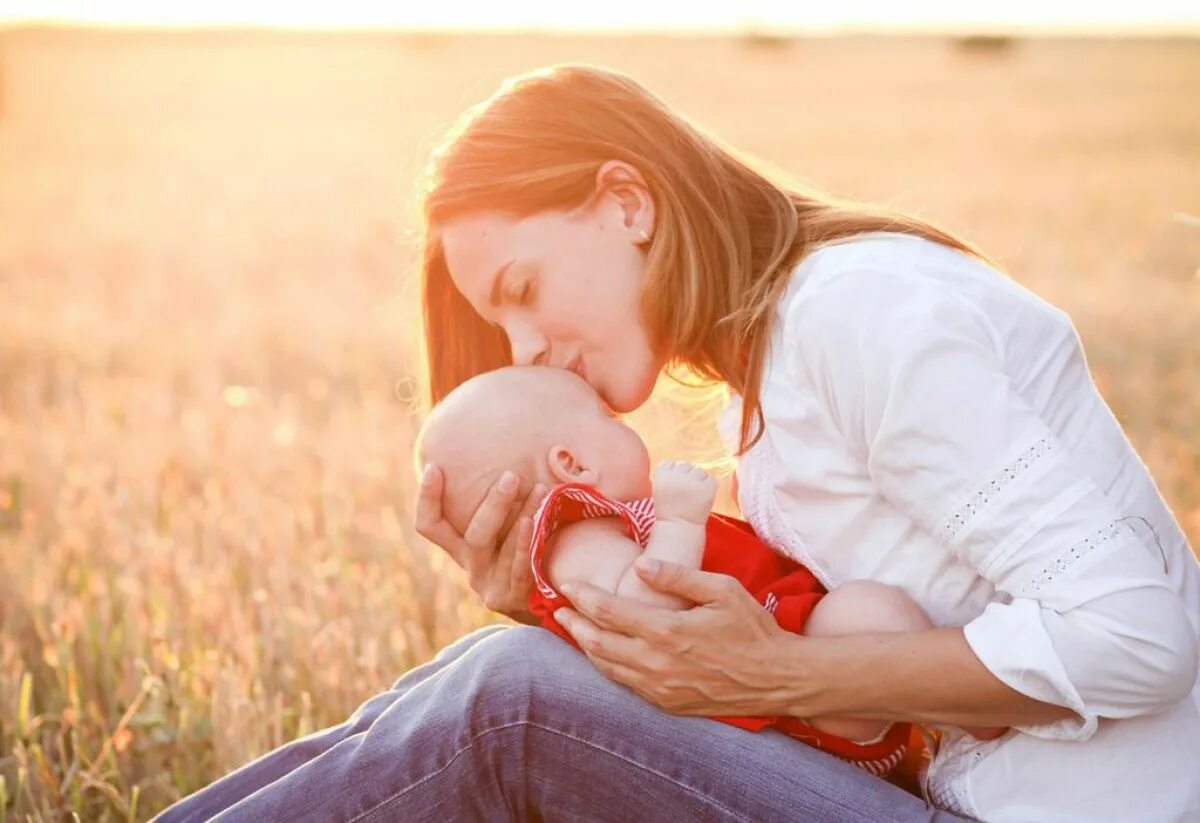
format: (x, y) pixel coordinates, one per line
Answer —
(900, 411)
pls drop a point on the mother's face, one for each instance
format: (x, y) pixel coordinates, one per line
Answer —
(565, 287)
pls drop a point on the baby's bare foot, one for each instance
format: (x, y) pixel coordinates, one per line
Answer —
(683, 492)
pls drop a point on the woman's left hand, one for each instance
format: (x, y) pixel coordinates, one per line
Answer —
(724, 656)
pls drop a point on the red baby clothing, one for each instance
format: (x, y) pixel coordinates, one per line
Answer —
(786, 589)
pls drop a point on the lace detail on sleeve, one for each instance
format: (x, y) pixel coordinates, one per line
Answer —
(948, 777)
(1076, 552)
(956, 522)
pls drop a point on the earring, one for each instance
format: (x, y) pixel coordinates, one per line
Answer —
(645, 236)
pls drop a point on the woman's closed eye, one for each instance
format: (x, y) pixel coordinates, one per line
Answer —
(525, 296)
(522, 296)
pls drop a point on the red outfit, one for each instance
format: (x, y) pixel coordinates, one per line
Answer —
(786, 589)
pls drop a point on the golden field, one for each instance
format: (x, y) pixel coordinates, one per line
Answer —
(208, 325)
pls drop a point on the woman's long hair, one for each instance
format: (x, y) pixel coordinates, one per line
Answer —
(726, 236)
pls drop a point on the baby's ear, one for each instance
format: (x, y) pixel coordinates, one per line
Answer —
(565, 466)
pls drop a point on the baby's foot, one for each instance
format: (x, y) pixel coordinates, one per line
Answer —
(683, 492)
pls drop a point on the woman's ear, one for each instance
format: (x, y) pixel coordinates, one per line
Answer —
(565, 466)
(619, 182)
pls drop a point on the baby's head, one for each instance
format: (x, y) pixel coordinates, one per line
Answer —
(545, 424)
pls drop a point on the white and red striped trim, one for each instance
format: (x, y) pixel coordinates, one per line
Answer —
(882, 766)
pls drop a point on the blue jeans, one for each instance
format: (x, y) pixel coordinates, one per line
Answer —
(511, 723)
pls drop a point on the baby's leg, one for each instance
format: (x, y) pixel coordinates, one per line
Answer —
(862, 607)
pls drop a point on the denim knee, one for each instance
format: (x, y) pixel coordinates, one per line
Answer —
(520, 654)
(463, 644)
(522, 667)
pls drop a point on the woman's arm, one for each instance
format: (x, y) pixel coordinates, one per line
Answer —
(728, 656)
(932, 677)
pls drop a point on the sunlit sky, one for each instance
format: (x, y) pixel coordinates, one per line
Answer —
(1098, 15)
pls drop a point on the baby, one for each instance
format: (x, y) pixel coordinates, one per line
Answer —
(549, 426)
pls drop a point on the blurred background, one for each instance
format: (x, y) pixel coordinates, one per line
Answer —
(208, 312)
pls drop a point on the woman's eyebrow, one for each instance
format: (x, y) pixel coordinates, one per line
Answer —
(498, 283)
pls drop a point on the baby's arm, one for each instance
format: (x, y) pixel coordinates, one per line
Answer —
(598, 551)
(683, 498)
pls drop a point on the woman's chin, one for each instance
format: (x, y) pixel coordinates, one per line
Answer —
(625, 402)
(625, 397)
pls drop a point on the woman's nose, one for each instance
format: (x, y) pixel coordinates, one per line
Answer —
(528, 349)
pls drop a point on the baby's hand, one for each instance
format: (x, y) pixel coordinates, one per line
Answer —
(683, 492)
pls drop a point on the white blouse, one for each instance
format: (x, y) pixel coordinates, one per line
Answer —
(932, 425)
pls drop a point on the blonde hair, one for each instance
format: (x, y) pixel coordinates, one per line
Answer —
(726, 235)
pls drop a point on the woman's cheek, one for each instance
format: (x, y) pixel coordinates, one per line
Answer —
(624, 398)
(639, 385)
(608, 386)
(624, 376)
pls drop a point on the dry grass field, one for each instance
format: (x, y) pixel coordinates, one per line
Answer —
(207, 326)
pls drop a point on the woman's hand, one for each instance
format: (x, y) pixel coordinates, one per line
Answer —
(725, 656)
(502, 578)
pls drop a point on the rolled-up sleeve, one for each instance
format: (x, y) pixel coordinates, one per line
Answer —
(914, 375)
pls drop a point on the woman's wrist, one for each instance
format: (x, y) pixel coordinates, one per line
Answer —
(834, 676)
(790, 677)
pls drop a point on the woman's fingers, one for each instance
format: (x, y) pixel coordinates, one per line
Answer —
(484, 529)
(498, 569)
(512, 578)
(500, 573)
(428, 519)
(504, 578)
(598, 643)
(519, 537)
(514, 551)
(429, 501)
(515, 543)
(520, 571)
(535, 498)
(616, 613)
(693, 584)
(628, 660)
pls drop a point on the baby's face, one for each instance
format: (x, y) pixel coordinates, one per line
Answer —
(543, 423)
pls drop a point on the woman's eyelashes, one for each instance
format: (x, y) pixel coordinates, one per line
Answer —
(523, 297)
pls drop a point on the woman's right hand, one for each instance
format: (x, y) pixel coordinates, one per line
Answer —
(502, 578)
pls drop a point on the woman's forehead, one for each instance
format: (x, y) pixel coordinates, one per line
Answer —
(487, 232)
(482, 237)
(472, 239)
(475, 246)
